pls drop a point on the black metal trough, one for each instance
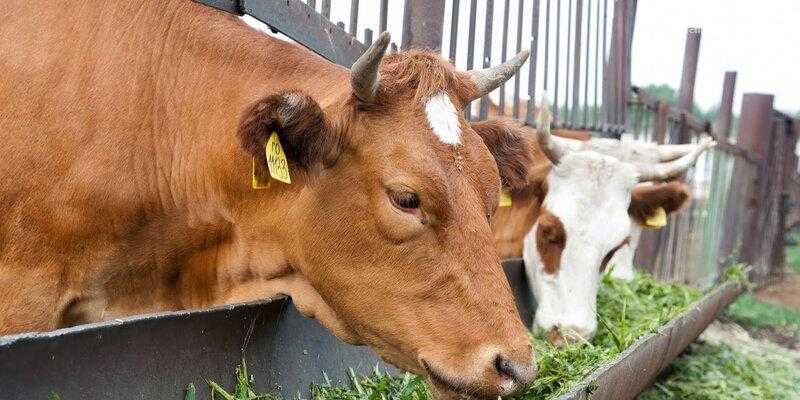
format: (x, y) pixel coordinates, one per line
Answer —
(155, 356)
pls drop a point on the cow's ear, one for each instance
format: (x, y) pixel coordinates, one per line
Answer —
(305, 133)
(511, 149)
(646, 199)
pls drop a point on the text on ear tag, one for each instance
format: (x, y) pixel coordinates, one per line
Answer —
(256, 180)
(657, 220)
(276, 159)
(505, 198)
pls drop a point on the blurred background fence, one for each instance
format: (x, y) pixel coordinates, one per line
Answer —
(746, 191)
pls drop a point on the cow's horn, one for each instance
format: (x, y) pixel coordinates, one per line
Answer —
(669, 152)
(364, 76)
(491, 78)
(552, 149)
(675, 168)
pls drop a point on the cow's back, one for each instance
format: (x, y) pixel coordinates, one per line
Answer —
(117, 119)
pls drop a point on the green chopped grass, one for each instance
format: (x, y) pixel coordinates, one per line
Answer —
(628, 310)
(718, 372)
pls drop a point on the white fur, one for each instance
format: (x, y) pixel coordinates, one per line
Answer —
(443, 119)
(590, 195)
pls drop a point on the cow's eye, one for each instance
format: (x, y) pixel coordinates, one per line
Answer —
(404, 200)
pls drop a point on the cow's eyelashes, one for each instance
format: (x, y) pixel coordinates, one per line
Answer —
(404, 200)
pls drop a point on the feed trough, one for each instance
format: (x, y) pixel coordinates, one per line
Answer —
(157, 355)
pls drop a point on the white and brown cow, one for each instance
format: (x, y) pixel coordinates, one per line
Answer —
(575, 213)
(130, 134)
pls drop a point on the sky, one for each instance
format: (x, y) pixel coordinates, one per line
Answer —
(758, 40)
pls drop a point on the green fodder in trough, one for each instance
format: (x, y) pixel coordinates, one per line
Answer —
(627, 311)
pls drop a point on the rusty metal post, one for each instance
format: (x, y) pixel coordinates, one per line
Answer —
(755, 126)
(422, 24)
(662, 116)
(725, 114)
(686, 93)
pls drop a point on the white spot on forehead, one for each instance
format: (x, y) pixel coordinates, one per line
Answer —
(443, 119)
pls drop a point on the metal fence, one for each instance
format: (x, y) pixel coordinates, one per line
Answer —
(580, 49)
(580, 55)
(742, 189)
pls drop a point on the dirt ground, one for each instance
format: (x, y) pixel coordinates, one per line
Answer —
(785, 293)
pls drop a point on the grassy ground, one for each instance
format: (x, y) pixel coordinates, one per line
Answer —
(718, 372)
(752, 313)
(630, 310)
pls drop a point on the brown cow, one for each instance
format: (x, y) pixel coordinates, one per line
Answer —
(582, 204)
(130, 131)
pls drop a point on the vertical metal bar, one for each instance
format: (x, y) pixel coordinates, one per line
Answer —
(567, 121)
(393, 47)
(686, 94)
(367, 36)
(384, 15)
(487, 54)
(558, 57)
(617, 36)
(604, 97)
(515, 109)
(353, 17)
(340, 24)
(471, 46)
(585, 123)
(326, 9)
(312, 4)
(576, 69)
(532, 62)
(725, 114)
(501, 106)
(595, 124)
(546, 44)
(453, 31)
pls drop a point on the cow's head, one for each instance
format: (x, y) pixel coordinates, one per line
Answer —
(588, 201)
(650, 201)
(390, 226)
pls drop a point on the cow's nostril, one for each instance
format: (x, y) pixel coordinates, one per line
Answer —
(504, 366)
(520, 374)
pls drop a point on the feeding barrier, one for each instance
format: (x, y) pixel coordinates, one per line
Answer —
(157, 355)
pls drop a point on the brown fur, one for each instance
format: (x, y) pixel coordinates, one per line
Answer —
(510, 149)
(304, 131)
(417, 74)
(126, 189)
(645, 199)
(550, 241)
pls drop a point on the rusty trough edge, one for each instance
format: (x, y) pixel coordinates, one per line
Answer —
(638, 366)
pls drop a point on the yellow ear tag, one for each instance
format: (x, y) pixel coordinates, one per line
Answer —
(255, 181)
(276, 159)
(657, 220)
(505, 198)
